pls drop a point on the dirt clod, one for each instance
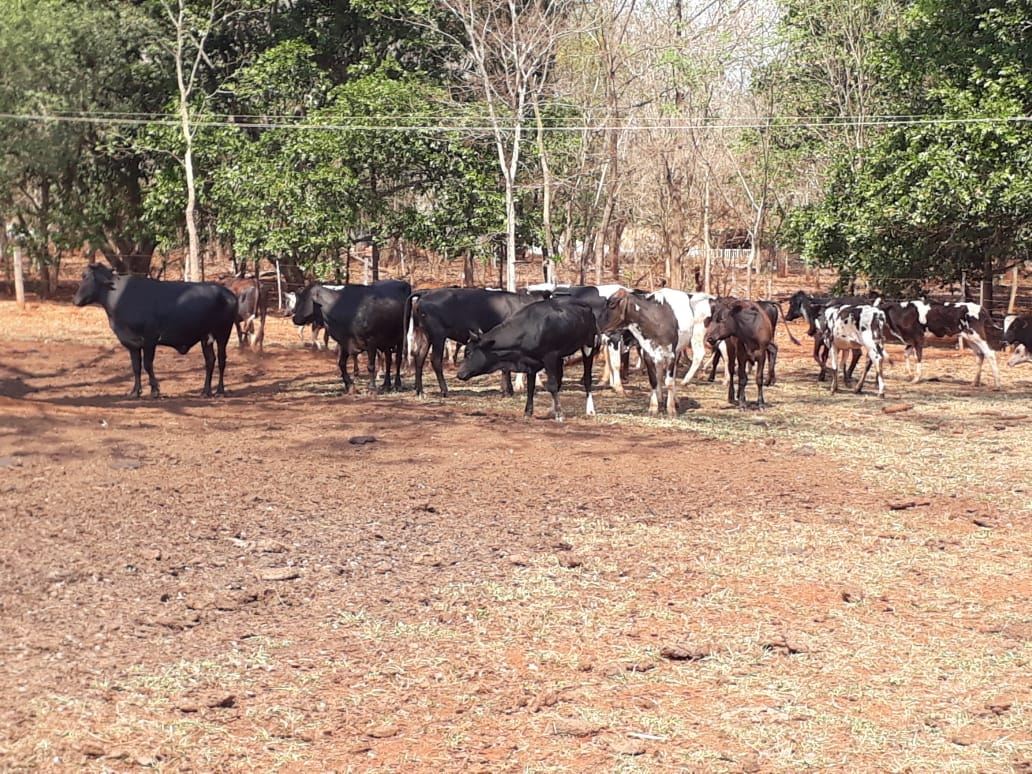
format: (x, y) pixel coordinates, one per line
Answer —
(621, 745)
(384, 732)
(576, 727)
(684, 652)
(361, 440)
(570, 561)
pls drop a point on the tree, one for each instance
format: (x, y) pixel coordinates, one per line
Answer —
(511, 46)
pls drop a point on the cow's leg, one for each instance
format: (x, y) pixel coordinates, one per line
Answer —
(984, 352)
(507, 387)
(698, 352)
(650, 368)
(863, 377)
(819, 357)
(135, 357)
(240, 334)
(730, 361)
(772, 359)
(437, 362)
(670, 376)
(148, 364)
(743, 377)
(345, 372)
(258, 337)
(879, 372)
(855, 358)
(589, 359)
(418, 351)
(370, 367)
(554, 372)
(614, 362)
(221, 344)
(397, 368)
(833, 354)
(714, 363)
(919, 356)
(760, 376)
(528, 409)
(208, 349)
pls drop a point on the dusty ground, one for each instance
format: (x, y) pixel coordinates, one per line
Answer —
(233, 585)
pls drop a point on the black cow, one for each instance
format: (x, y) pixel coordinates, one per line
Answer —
(1017, 332)
(811, 309)
(360, 318)
(144, 313)
(432, 317)
(537, 338)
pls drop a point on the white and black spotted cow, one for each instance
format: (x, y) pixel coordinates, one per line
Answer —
(856, 328)
(654, 326)
(909, 321)
(1017, 332)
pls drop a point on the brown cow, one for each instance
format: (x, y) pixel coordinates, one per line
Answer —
(252, 306)
(748, 332)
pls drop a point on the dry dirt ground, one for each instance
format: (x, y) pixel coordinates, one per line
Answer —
(232, 585)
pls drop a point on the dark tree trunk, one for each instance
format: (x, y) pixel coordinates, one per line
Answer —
(375, 252)
(468, 280)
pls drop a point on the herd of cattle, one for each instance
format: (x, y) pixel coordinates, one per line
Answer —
(541, 328)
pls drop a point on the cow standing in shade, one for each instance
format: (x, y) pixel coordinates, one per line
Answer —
(144, 313)
(361, 318)
(1017, 332)
(537, 338)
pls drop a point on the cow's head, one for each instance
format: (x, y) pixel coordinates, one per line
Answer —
(722, 324)
(289, 303)
(480, 357)
(96, 281)
(304, 307)
(614, 315)
(1021, 355)
(795, 305)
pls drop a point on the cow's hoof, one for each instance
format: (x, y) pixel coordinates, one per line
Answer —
(206, 394)
(133, 393)
(155, 394)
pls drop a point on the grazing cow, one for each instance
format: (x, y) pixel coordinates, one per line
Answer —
(433, 316)
(361, 318)
(858, 328)
(252, 307)
(654, 326)
(1017, 332)
(144, 313)
(536, 337)
(811, 309)
(748, 331)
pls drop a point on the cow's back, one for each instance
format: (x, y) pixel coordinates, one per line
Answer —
(174, 314)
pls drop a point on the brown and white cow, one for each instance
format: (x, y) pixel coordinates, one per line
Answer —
(252, 307)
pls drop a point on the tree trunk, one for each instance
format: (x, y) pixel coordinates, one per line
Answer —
(468, 279)
(986, 294)
(510, 236)
(1012, 301)
(19, 277)
(548, 244)
(374, 250)
(192, 269)
(600, 239)
(615, 235)
(707, 271)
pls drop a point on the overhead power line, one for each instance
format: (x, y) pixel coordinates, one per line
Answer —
(382, 123)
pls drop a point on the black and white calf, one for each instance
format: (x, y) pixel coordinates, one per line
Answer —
(811, 309)
(1017, 332)
(860, 328)
(537, 338)
(654, 326)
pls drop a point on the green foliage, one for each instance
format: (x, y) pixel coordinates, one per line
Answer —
(932, 201)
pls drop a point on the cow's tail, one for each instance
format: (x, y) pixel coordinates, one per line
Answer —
(784, 322)
(408, 326)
